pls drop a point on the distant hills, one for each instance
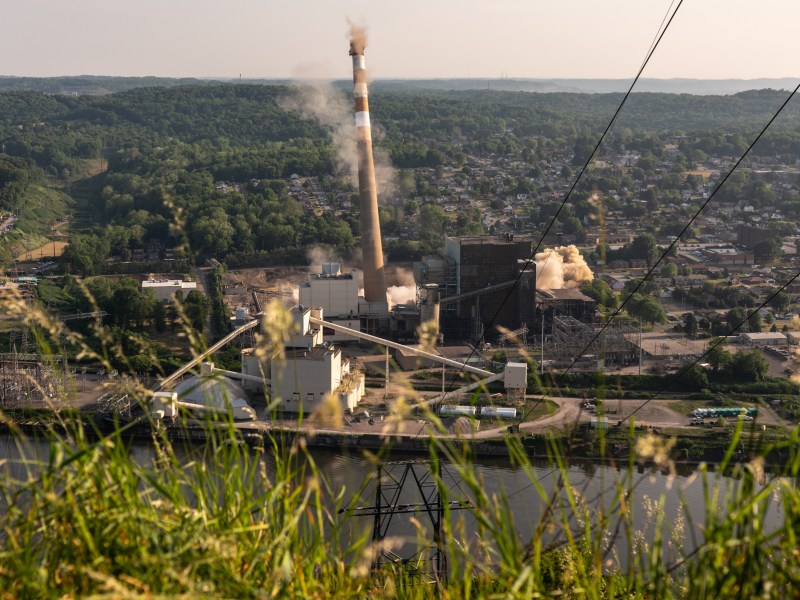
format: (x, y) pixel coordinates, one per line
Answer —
(92, 85)
(699, 87)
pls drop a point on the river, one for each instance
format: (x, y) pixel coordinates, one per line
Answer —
(595, 485)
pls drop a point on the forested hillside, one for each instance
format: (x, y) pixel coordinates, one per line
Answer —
(142, 161)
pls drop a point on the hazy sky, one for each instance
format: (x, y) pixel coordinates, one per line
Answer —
(407, 38)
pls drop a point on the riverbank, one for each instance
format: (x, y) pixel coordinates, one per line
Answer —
(615, 444)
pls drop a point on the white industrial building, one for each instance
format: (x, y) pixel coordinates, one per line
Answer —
(766, 338)
(337, 294)
(164, 289)
(311, 370)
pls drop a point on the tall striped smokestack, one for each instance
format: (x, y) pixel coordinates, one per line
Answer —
(371, 246)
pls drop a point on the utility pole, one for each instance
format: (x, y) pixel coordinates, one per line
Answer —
(386, 384)
(640, 346)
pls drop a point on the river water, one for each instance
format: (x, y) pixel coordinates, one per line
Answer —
(594, 483)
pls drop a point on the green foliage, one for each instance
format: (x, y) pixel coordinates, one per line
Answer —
(600, 291)
(646, 308)
(84, 516)
(749, 366)
(220, 321)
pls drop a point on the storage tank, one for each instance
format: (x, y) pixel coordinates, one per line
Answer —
(457, 410)
(498, 412)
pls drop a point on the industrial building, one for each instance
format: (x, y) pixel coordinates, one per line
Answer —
(309, 371)
(337, 293)
(164, 289)
(750, 236)
(765, 338)
(565, 302)
(476, 278)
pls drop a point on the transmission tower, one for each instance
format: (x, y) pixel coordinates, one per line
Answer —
(410, 487)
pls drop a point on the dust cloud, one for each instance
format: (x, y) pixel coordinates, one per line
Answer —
(404, 291)
(357, 34)
(561, 267)
(315, 99)
(318, 255)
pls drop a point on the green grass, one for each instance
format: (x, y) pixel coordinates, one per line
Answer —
(39, 211)
(54, 296)
(538, 409)
(86, 518)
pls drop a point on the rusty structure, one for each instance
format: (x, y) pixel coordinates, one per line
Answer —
(371, 246)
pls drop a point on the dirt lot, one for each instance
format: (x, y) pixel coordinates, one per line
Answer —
(48, 250)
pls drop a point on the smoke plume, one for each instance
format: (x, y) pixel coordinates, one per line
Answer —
(404, 290)
(317, 100)
(317, 255)
(357, 34)
(561, 267)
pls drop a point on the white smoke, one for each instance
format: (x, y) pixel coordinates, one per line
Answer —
(561, 267)
(287, 290)
(318, 255)
(403, 290)
(316, 99)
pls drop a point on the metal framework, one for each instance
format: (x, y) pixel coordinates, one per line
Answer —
(571, 340)
(409, 487)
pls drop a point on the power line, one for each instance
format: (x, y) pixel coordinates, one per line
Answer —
(721, 340)
(672, 245)
(678, 375)
(663, 30)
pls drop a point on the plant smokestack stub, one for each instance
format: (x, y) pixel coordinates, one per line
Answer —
(371, 246)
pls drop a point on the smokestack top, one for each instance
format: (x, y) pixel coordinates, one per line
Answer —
(357, 34)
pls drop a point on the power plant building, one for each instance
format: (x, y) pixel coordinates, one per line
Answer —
(337, 294)
(310, 371)
(164, 289)
(470, 265)
(565, 302)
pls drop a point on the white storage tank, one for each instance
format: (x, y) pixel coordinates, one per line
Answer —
(499, 412)
(457, 410)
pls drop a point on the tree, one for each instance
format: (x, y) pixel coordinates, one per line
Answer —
(690, 325)
(750, 366)
(695, 378)
(646, 308)
(196, 307)
(780, 302)
(644, 246)
(432, 222)
(668, 270)
(600, 291)
(768, 250)
(719, 358)
(160, 317)
(754, 322)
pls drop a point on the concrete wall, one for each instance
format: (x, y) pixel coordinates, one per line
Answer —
(301, 384)
(338, 296)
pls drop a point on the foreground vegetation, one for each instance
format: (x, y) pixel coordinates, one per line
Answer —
(86, 515)
(86, 518)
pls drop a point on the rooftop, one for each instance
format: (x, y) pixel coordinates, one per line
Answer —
(563, 294)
